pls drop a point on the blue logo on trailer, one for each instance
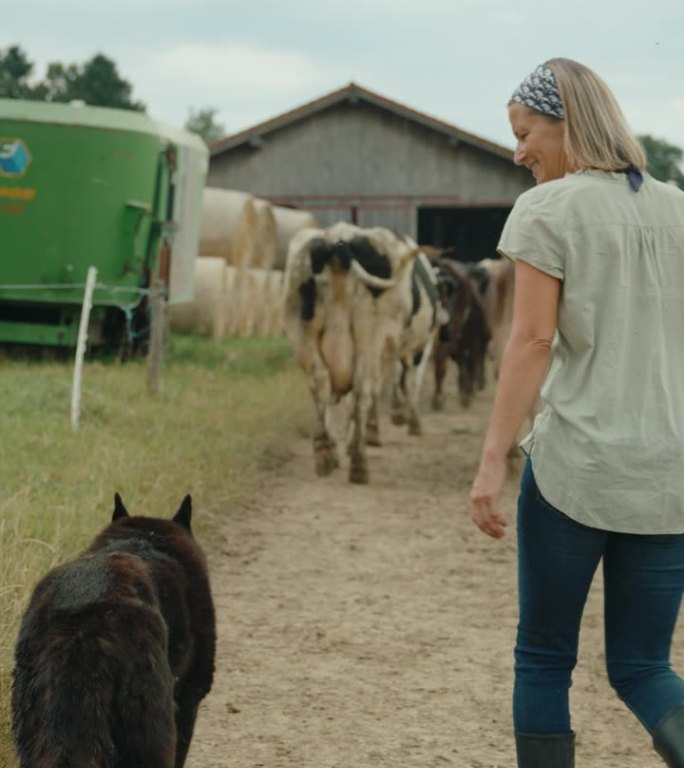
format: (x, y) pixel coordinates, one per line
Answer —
(15, 157)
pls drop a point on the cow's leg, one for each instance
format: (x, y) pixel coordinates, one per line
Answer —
(412, 417)
(480, 373)
(441, 359)
(466, 375)
(372, 422)
(465, 384)
(325, 454)
(325, 448)
(383, 365)
(409, 384)
(399, 396)
(358, 461)
(367, 384)
(398, 416)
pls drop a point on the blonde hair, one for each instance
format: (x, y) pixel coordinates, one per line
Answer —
(596, 132)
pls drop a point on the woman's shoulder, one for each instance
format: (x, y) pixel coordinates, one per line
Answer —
(547, 195)
(667, 189)
(581, 186)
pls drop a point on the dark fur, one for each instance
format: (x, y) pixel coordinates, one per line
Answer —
(465, 336)
(116, 650)
(338, 256)
(322, 254)
(374, 262)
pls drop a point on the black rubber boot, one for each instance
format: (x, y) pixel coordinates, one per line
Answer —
(552, 750)
(668, 738)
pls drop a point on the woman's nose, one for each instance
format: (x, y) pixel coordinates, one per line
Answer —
(519, 154)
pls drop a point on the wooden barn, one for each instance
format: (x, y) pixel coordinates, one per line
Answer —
(358, 156)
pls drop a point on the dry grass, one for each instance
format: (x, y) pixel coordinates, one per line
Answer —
(225, 408)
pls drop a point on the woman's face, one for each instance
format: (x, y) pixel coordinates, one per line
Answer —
(539, 143)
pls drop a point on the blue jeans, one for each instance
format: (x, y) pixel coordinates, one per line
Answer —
(643, 585)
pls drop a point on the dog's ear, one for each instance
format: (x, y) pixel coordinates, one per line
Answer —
(119, 509)
(184, 514)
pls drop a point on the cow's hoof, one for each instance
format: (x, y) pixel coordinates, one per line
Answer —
(373, 436)
(398, 419)
(466, 400)
(415, 428)
(358, 475)
(326, 461)
(325, 467)
(437, 404)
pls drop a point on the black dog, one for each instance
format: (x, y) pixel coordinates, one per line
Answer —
(116, 650)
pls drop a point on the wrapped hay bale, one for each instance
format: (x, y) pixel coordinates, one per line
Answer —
(289, 221)
(232, 299)
(266, 235)
(262, 300)
(252, 302)
(276, 303)
(238, 299)
(206, 313)
(246, 307)
(228, 226)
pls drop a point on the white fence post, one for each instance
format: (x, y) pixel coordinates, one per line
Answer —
(155, 353)
(81, 346)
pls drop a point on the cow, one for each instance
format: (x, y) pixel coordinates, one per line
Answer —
(423, 320)
(465, 335)
(348, 310)
(498, 305)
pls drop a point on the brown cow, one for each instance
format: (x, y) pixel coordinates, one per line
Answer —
(465, 335)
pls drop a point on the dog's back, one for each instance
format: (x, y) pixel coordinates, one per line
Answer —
(111, 659)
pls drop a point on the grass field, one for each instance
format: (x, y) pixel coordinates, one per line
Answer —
(224, 409)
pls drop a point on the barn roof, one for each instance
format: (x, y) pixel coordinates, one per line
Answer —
(353, 93)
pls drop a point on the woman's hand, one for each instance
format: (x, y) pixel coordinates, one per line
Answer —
(485, 497)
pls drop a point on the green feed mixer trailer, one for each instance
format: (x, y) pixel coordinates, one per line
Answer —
(84, 187)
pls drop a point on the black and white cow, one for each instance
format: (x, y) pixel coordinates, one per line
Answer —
(349, 307)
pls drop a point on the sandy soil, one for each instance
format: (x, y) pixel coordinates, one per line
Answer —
(373, 625)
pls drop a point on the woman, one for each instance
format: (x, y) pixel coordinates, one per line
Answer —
(598, 247)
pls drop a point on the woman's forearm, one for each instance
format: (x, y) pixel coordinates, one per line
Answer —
(523, 368)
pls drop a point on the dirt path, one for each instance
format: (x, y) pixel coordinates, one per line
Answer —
(373, 625)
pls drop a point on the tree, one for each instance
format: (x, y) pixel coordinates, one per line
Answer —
(97, 82)
(203, 122)
(664, 160)
(15, 70)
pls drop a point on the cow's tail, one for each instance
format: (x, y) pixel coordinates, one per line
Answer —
(382, 283)
(420, 370)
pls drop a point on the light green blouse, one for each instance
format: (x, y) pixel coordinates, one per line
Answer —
(608, 447)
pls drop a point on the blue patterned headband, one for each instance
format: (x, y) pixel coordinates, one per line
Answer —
(539, 91)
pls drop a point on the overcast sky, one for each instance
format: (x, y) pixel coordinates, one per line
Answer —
(457, 60)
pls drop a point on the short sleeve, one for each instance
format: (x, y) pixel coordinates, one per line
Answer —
(531, 235)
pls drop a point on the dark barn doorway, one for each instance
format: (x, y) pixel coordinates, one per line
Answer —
(472, 232)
